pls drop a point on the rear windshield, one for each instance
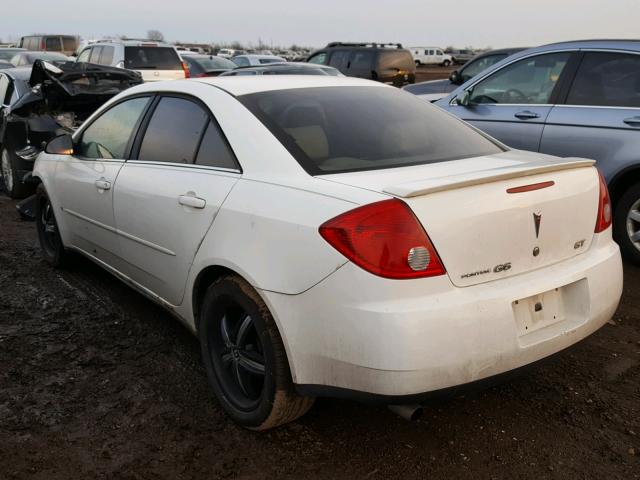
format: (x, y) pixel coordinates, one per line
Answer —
(346, 129)
(214, 63)
(153, 58)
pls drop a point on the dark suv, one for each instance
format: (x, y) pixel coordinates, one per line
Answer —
(384, 62)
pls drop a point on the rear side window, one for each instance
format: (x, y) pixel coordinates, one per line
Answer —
(95, 55)
(323, 129)
(607, 79)
(152, 58)
(214, 149)
(108, 136)
(52, 44)
(269, 60)
(106, 57)
(361, 59)
(174, 132)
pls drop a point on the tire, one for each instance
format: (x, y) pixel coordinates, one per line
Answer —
(418, 63)
(626, 222)
(8, 170)
(51, 246)
(245, 358)
(446, 63)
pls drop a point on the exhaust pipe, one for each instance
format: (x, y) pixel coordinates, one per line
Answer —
(408, 412)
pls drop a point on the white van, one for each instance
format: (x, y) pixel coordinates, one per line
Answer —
(430, 56)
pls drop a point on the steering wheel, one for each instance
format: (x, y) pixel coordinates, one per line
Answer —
(515, 96)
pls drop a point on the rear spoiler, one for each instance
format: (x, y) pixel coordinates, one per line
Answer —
(467, 179)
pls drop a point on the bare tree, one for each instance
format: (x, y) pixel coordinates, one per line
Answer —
(155, 35)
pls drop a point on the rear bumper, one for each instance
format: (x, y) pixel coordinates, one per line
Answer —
(360, 333)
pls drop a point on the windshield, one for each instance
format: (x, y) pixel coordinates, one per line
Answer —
(345, 129)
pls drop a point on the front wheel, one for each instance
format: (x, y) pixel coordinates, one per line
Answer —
(245, 358)
(418, 63)
(626, 224)
(9, 170)
(51, 245)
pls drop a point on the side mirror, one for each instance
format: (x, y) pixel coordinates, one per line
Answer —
(463, 99)
(61, 145)
(455, 78)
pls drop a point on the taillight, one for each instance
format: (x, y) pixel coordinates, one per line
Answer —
(384, 238)
(185, 67)
(604, 207)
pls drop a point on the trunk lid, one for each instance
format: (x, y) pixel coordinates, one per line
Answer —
(481, 231)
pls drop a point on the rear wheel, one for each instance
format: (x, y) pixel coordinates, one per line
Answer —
(446, 63)
(418, 63)
(245, 358)
(626, 224)
(51, 245)
(9, 169)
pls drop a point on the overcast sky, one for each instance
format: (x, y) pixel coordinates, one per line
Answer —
(495, 23)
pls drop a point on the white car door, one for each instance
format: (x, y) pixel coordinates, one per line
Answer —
(86, 179)
(168, 196)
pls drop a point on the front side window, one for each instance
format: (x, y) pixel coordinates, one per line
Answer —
(323, 130)
(84, 56)
(607, 79)
(473, 68)
(338, 58)
(108, 136)
(174, 131)
(528, 81)
(320, 58)
(5, 91)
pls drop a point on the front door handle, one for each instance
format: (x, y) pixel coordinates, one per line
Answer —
(102, 184)
(633, 121)
(189, 199)
(526, 115)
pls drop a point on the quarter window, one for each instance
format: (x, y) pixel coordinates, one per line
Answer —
(214, 149)
(107, 137)
(174, 131)
(528, 81)
(607, 79)
(320, 58)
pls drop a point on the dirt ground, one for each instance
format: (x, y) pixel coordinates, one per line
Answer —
(97, 382)
(433, 72)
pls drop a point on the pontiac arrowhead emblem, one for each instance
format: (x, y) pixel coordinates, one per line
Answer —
(537, 218)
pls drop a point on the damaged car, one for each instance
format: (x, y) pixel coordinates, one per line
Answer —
(40, 103)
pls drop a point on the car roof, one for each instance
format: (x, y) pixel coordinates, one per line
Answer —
(613, 44)
(131, 43)
(243, 85)
(284, 65)
(257, 56)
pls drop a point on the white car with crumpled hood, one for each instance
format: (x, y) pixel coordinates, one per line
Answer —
(332, 236)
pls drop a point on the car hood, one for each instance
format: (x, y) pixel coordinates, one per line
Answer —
(71, 86)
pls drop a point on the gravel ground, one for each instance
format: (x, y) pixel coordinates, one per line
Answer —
(97, 382)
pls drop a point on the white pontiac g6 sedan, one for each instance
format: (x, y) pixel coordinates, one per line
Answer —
(332, 236)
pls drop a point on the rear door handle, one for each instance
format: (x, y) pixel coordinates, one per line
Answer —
(102, 184)
(633, 121)
(526, 114)
(189, 199)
